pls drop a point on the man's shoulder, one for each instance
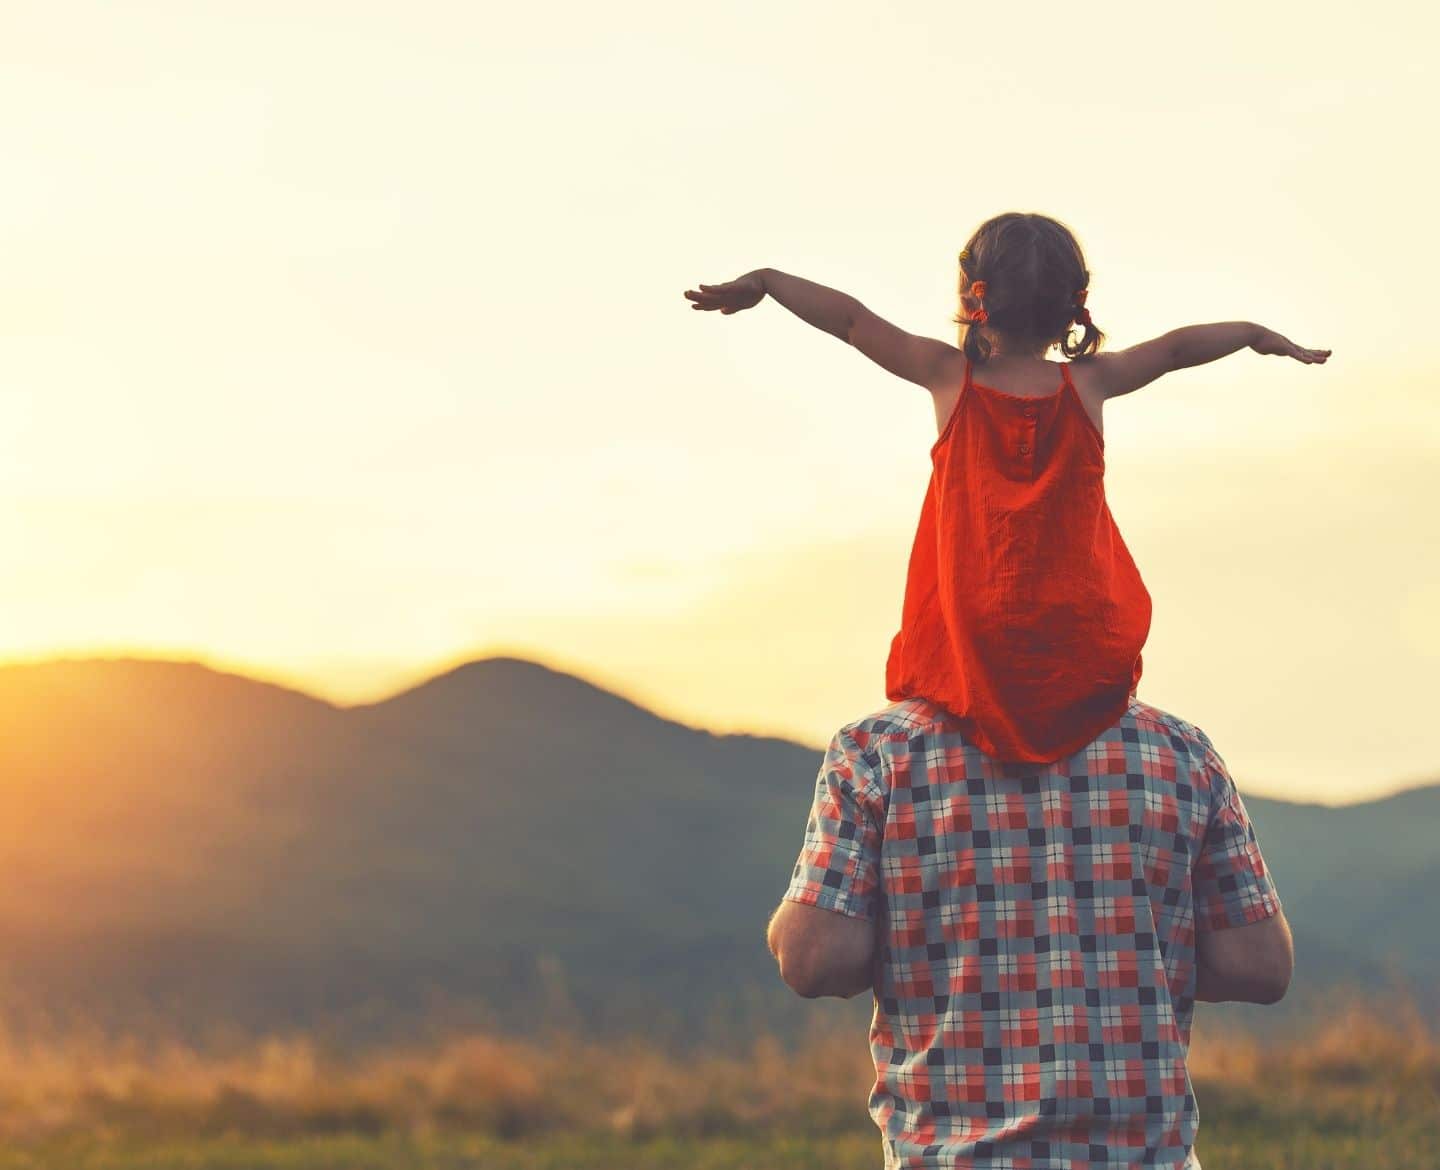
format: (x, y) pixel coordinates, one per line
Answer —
(902, 720)
(1182, 734)
(917, 718)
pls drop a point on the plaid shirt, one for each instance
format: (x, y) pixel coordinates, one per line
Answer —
(1036, 974)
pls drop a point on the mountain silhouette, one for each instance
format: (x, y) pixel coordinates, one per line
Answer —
(188, 845)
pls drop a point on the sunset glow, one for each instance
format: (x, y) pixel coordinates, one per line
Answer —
(341, 344)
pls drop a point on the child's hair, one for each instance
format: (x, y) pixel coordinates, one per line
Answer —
(1033, 268)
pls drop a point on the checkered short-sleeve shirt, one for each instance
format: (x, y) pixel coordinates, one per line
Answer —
(1037, 932)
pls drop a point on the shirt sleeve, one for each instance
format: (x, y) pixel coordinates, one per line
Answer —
(1232, 884)
(839, 864)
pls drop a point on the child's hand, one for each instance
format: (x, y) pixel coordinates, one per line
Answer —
(1271, 342)
(739, 294)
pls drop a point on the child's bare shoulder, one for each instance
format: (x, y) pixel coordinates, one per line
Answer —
(1089, 388)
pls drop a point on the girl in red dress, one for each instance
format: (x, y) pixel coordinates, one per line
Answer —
(1024, 613)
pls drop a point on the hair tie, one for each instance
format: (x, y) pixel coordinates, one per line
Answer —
(977, 290)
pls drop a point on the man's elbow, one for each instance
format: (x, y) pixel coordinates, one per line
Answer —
(807, 988)
(801, 974)
(1274, 988)
(1282, 967)
(816, 976)
(1266, 985)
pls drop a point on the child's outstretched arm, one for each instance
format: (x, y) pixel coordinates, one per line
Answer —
(1193, 345)
(925, 361)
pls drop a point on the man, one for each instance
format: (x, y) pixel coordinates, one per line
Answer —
(1035, 935)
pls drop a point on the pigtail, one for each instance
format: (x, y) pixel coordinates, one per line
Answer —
(1080, 315)
(977, 346)
(1089, 342)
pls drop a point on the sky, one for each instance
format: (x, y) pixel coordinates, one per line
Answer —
(341, 343)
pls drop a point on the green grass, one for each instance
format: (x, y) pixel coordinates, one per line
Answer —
(1362, 1128)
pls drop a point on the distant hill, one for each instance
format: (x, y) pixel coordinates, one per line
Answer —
(193, 846)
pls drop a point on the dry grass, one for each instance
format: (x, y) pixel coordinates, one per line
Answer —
(1355, 1042)
(283, 1087)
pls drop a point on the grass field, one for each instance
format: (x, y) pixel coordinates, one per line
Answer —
(1356, 1092)
(1366, 1135)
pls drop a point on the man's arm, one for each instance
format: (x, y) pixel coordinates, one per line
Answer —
(925, 361)
(824, 932)
(1243, 947)
(822, 952)
(1249, 964)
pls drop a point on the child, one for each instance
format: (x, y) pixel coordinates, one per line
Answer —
(1024, 613)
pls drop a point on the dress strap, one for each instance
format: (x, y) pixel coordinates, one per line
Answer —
(1065, 376)
(967, 373)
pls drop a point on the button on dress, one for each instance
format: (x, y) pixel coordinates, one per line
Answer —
(1024, 613)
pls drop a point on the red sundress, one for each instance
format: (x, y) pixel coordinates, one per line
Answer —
(1024, 613)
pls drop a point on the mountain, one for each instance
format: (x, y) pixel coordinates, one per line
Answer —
(189, 846)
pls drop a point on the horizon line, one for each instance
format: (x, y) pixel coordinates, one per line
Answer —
(256, 673)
